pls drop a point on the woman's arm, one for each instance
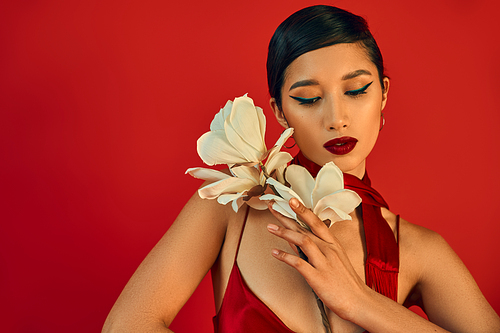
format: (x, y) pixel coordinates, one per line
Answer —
(172, 270)
(449, 294)
(451, 298)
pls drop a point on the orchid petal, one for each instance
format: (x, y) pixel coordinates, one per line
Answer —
(279, 174)
(246, 172)
(280, 205)
(249, 153)
(229, 185)
(207, 174)
(255, 203)
(334, 215)
(244, 121)
(345, 200)
(262, 178)
(237, 200)
(285, 192)
(225, 198)
(269, 196)
(220, 117)
(284, 209)
(270, 154)
(275, 161)
(214, 148)
(283, 137)
(329, 180)
(262, 123)
(237, 204)
(302, 183)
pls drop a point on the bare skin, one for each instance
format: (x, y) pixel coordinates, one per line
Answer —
(431, 274)
(174, 268)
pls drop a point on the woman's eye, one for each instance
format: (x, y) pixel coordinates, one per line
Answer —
(306, 101)
(359, 91)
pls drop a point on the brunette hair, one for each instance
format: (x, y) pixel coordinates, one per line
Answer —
(312, 28)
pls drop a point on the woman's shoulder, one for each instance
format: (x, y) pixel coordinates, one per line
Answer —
(422, 251)
(420, 248)
(198, 208)
(425, 255)
(444, 287)
(412, 235)
(421, 239)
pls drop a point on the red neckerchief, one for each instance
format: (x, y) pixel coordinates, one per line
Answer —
(382, 262)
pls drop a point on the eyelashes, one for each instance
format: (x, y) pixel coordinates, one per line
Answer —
(352, 93)
(359, 91)
(306, 101)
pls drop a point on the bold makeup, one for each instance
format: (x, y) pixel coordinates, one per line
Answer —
(311, 101)
(341, 146)
(359, 91)
(305, 100)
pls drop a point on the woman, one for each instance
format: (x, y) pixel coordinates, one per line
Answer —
(326, 80)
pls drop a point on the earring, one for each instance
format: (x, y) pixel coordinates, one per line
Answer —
(290, 146)
(383, 121)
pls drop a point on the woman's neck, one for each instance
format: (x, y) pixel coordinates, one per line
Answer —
(314, 168)
(359, 171)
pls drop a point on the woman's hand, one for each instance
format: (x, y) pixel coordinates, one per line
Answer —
(329, 271)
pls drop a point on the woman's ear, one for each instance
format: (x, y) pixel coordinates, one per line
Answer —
(280, 116)
(385, 91)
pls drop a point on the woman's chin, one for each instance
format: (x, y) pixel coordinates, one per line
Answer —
(350, 166)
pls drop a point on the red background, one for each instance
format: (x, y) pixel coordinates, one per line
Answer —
(102, 102)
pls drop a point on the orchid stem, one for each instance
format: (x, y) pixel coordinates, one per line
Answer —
(264, 171)
(274, 190)
(263, 168)
(321, 306)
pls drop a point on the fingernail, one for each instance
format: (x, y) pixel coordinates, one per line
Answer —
(294, 203)
(272, 227)
(275, 252)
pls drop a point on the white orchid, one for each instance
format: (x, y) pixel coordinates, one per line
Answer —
(237, 135)
(243, 185)
(236, 138)
(325, 195)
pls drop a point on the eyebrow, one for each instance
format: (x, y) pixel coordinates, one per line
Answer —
(348, 76)
(304, 83)
(356, 73)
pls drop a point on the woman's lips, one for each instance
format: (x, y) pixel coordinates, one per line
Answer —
(341, 146)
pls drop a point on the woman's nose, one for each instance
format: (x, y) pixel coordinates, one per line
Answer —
(336, 116)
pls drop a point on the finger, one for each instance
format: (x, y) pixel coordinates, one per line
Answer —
(304, 241)
(302, 266)
(294, 248)
(317, 226)
(285, 221)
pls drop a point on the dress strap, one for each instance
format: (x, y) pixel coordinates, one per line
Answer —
(397, 230)
(241, 233)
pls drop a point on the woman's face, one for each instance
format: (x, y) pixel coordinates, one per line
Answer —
(333, 99)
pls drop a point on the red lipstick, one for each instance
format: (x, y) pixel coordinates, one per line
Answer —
(341, 146)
